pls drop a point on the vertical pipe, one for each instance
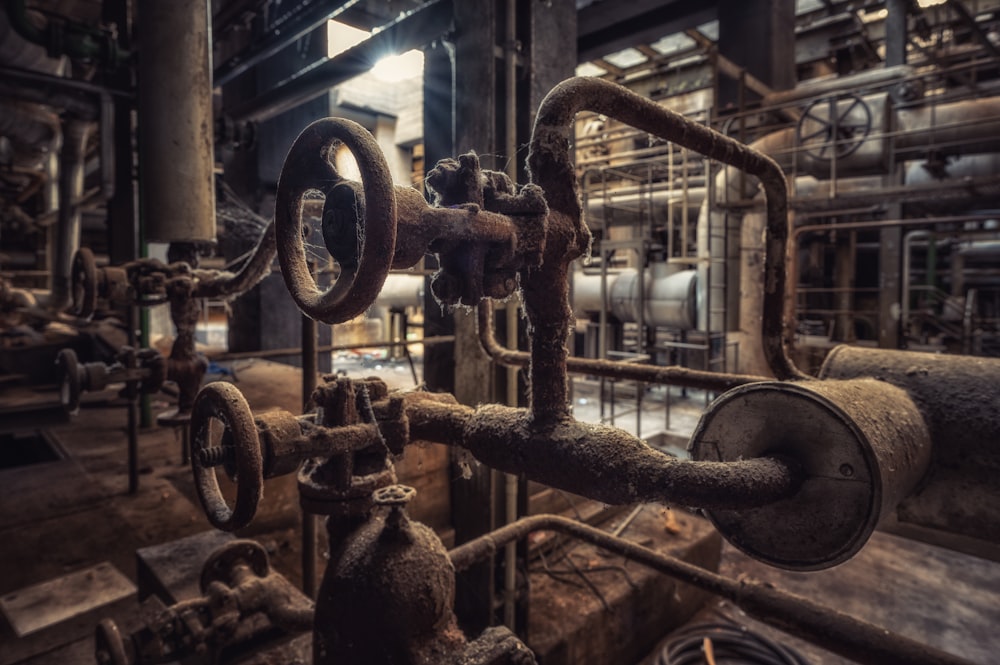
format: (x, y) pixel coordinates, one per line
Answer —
(175, 121)
(895, 32)
(71, 172)
(510, 480)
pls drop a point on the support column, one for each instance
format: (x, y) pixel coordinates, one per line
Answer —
(755, 35)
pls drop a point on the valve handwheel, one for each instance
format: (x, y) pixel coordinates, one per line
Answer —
(220, 562)
(834, 126)
(109, 647)
(83, 276)
(224, 402)
(307, 167)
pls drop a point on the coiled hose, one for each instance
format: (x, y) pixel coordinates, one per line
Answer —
(717, 643)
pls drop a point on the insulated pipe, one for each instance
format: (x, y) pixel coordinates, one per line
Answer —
(959, 400)
(546, 290)
(670, 299)
(863, 80)
(67, 241)
(175, 121)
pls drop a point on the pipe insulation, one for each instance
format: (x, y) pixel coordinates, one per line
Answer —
(175, 121)
(670, 298)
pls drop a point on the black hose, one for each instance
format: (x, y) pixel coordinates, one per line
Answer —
(730, 643)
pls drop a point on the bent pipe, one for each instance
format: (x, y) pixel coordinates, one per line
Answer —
(674, 375)
(257, 267)
(550, 167)
(600, 462)
(828, 628)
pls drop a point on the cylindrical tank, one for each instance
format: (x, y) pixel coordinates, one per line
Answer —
(175, 121)
(959, 398)
(862, 446)
(671, 299)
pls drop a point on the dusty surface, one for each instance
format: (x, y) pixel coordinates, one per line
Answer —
(58, 517)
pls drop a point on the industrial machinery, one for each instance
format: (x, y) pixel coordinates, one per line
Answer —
(804, 495)
(147, 282)
(142, 372)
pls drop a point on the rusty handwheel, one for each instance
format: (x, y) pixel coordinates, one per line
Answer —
(220, 562)
(83, 276)
(109, 647)
(224, 402)
(307, 167)
(69, 377)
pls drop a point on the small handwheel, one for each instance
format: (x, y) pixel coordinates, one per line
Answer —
(109, 647)
(224, 402)
(835, 125)
(220, 562)
(69, 387)
(83, 276)
(308, 168)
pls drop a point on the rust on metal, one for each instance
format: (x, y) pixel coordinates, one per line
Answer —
(842, 634)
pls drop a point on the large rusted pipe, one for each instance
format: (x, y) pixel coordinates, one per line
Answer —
(862, 445)
(567, 237)
(600, 462)
(959, 399)
(852, 638)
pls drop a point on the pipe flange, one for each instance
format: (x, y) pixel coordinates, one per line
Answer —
(857, 463)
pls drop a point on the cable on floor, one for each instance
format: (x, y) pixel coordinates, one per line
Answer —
(718, 643)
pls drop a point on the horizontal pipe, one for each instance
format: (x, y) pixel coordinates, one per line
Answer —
(599, 462)
(327, 348)
(668, 374)
(826, 627)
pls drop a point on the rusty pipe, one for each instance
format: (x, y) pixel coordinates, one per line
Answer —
(550, 166)
(216, 284)
(600, 462)
(826, 627)
(673, 375)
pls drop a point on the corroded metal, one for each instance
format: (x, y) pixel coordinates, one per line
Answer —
(242, 598)
(862, 446)
(959, 398)
(147, 372)
(492, 238)
(149, 282)
(842, 634)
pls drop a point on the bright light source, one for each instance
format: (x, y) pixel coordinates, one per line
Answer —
(396, 68)
(340, 37)
(930, 3)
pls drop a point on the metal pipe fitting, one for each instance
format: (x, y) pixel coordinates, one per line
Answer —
(862, 447)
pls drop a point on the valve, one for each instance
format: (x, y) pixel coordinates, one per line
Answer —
(145, 368)
(238, 588)
(834, 126)
(224, 402)
(109, 647)
(83, 277)
(307, 167)
(347, 456)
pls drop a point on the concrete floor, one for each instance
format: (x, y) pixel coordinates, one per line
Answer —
(60, 516)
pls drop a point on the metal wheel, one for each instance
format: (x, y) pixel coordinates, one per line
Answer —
(835, 125)
(220, 562)
(69, 387)
(109, 647)
(225, 403)
(83, 276)
(308, 168)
